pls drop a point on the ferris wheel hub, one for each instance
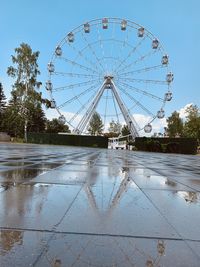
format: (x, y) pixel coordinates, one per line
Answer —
(108, 77)
(108, 81)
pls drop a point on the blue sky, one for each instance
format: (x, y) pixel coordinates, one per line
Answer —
(42, 24)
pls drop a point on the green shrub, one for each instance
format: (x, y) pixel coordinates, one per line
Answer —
(68, 139)
(173, 147)
(17, 140)
(153, 145)
(168, 145)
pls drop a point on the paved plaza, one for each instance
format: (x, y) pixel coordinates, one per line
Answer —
(73, 206)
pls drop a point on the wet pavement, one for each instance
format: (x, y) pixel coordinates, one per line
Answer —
(72, 206)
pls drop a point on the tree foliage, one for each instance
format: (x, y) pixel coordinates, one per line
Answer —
(25, 104)
(188, 128)
(37, 119)
(56, 126)
(2, 99)
(95, 125)
(13, 123)
(192, 123)
(110, 135)
(2, 107)
(115, 127)
(174, 125)
(125, 130)
(25, 71)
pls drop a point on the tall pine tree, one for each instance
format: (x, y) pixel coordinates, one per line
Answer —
(13, 123)
(2, 108)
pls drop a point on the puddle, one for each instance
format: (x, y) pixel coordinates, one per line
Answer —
(35, 206)
(190, 197)
(16, 163)
(20, 174)
(16, 248)
(62, 177)
(46, 165)
(181, 208)
(17, 158)
(130, 215)
(5, 186)
(98, 251)
(195, 181)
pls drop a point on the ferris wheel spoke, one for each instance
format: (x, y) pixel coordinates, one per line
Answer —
(94, 54)
(123, 44)
(78, 75)
(80, 53)
(97, 59)
(78, 96)
(96, 66)
(74, 63)
(143, 70)
(82, 108)
(141, 58)
(144, 81)
(133, 50)
(70, 86)
(102, 48)
(136, 101)
(112, 44)
(141, 91)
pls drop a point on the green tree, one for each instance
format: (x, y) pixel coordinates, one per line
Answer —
(174, 125)
(25, 72)
(192, 124)
(95, 125)
(56, 126)
(13, 123)
(115, 127)
(2, 107)
(37, 119)
(125, 130)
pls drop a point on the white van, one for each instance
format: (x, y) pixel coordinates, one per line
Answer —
(116, 143)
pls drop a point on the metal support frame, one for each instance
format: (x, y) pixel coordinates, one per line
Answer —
(130, 121)
(108, 83)
(90, 111)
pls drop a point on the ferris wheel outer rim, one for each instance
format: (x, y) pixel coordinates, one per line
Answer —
(115, 21)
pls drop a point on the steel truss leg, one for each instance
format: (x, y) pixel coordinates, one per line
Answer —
(130, 121)
(88, 115)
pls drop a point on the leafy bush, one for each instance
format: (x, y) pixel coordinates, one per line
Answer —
(68, 139)
(167, 145)
(173, 147)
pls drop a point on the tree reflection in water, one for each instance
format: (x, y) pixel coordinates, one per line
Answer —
(161, 252)
(8, 240)
(190, 197)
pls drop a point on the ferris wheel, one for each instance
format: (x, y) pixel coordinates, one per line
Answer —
(114, 67)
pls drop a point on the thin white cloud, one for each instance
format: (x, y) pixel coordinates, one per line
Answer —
(182, 111)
